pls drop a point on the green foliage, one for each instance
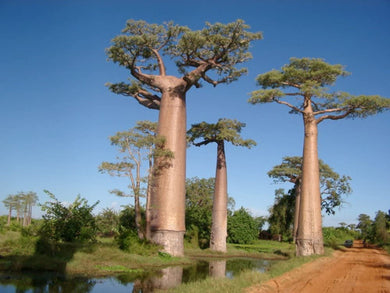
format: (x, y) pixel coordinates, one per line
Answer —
(381, 227)
(199, 205)
(218, 48)
(129, 241)
(365, 226)
(107, 222)
(224, 130)
(242, 227)
(333, 186)
(334, 237)
(282, 213)
(309, 78)
(68, 224)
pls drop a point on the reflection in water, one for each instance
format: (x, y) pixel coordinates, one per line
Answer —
(217, 268)
(31, 282)
(165, 279)
(171, 277)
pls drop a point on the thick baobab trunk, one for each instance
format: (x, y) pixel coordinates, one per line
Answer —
(168, 191)
(219, 217)
(309, 237)
(297, 207)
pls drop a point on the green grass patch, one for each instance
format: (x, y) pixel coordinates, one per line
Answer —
(119, 269)
(246, 278)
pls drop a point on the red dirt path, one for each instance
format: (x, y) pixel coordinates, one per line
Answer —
(355, 269)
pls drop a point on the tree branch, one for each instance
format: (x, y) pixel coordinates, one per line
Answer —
(334, 117)
(289, 105)
(160, 62)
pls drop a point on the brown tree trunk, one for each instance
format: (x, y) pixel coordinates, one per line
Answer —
(168, 191)
(148, 234)
(138, 218)
(219, 217)
(309, 236)
(9, 215)
(297, 207)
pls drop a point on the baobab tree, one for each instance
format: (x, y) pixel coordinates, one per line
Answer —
(332, 185)
(202, 134)
(22, 203)
(213, 55)
(307, 79)
(136, 145)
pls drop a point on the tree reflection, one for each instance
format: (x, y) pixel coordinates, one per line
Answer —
(217, 268)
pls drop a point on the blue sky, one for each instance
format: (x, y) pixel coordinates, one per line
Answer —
(56, 114)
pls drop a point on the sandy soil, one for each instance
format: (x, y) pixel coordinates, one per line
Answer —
(356, 269)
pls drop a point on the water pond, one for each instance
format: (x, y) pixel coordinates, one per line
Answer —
(138, 282)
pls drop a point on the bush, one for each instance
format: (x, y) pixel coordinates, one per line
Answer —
(333, 237)
(107, 222)
(128, 240)
(68, 224)
(242, 227)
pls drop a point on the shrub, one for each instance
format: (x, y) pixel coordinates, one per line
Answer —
(128, 240)
(242, 227)
(68, 224)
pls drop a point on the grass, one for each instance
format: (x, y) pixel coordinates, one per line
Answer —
(246, 278)
(104, 258)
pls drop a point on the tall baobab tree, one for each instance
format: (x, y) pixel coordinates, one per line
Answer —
(306, 79)
(202, 134)
(213, 55)
(332, 185)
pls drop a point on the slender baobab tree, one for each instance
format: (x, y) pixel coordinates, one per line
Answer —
(332, 185)
(213, 55)
(203, 134)
(306, 80)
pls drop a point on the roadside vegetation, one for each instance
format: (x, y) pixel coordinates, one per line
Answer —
(72, 241)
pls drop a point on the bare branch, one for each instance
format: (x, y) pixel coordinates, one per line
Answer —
(160, 62)
(334, 117)
(289, 105)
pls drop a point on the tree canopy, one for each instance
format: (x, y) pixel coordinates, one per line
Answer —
(212, 54)
(333, 185)
(310, 78)
(224, 130)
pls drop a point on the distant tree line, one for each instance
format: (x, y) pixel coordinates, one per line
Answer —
(21, 203)
(377, 230)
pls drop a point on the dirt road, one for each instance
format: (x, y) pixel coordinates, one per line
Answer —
(356, 269)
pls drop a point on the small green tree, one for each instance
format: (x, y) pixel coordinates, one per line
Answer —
(136, 145)
(365, 226)
(242, 227)
(203, 134)
(107, 222)
(380, 228)
(332, 185)
(307, 81)
(199, 206)
(282, 213)
(68, 223)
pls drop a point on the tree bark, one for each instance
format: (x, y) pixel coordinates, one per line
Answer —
(168, 191)
(297, 208)
(138, 217)
(219, 217)
(148, 234)
(309, 235)
(9, 215)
